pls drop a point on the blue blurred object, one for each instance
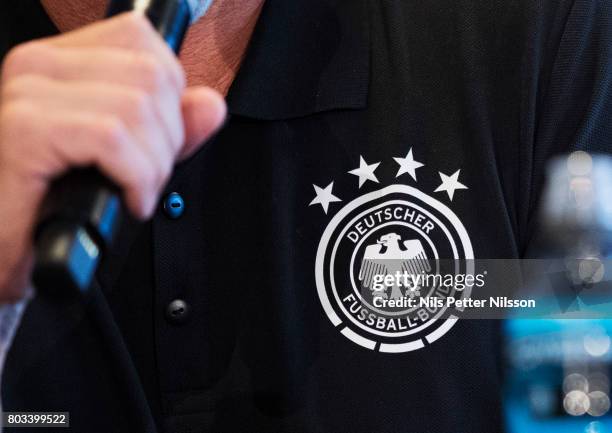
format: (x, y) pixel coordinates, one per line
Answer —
(558, 371)
(558, 376)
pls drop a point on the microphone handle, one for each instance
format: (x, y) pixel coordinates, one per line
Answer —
(83, 210)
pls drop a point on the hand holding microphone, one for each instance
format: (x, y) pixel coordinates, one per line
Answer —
(111, 95)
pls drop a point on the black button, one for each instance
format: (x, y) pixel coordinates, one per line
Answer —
(177, 311)
(174, 205)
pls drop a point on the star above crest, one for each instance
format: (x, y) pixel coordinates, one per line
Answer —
(324, 196)
(408, 165)
(450, 184)
(365, 171)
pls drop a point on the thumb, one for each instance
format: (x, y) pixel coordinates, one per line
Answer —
(204, 111)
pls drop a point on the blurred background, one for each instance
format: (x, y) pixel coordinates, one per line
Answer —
(558, 371)
(558, 376)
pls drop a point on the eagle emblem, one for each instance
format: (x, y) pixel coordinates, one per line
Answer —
(387, 257)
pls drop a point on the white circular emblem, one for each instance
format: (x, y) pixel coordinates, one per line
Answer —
(369, 261)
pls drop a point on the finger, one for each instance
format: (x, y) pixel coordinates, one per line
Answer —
(156, 120)
(19, 287)
(20, 209)
(112, 149)
(204, 111)
(108, 65)
(130, 31)
(83, 139)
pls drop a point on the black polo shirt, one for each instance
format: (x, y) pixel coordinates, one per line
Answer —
(357, 128)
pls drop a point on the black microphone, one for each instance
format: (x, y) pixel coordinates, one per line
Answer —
(83, 210)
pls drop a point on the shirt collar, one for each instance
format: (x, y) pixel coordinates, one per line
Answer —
(304, 57)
